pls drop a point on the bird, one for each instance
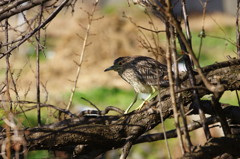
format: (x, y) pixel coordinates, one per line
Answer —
(144, 74)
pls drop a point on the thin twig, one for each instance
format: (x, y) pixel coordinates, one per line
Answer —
(126, 150)
(144, 40)
(222, 38)
(38, 49)
(91, 103)
(237, 30)
(170, 37)
(238, 98)
(164, 130)
(155, 31)
(197, 97)
(182, 112)
(202, 33)
(218, 109)
(8, 67)
(85, 41)
(8, 129)
(156, 38)
(186, 22)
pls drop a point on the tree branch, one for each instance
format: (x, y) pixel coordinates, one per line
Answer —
(16, 7)
(217, 147)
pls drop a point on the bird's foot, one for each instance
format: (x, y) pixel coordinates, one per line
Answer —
(141, 105)
(138, 108)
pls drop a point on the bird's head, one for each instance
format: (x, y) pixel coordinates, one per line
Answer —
(118, 64)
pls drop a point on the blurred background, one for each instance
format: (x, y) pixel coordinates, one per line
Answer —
(113, 34)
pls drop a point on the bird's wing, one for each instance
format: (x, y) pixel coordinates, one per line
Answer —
(151, 72)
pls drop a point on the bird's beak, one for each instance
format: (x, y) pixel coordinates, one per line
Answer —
(110, 68)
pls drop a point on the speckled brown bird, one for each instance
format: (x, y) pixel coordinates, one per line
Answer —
(145, 74)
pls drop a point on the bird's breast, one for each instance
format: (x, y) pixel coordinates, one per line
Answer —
(138, 85)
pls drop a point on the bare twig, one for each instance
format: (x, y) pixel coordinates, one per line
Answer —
(238, 98)
(186, 22)
(155, 31)
(237, 30)
(38, 49)
(91, 103)
(85, 41)
(170, 51)
(164, 131)
(217, 107)
(220, 37)
(202, 33)
(126, 150)
(44, 86)
(7, 73)
(155, 48)
(182, 113)
(8, 95)
(197, 98)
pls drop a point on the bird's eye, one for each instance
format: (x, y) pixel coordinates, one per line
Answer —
(120, 63)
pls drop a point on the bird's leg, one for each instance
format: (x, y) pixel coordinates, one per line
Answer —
(153, 94)
(134, 101)
(148, 97)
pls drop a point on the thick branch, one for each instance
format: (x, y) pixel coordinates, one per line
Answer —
(217, 147)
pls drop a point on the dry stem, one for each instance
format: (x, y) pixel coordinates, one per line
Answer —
(85, 41)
